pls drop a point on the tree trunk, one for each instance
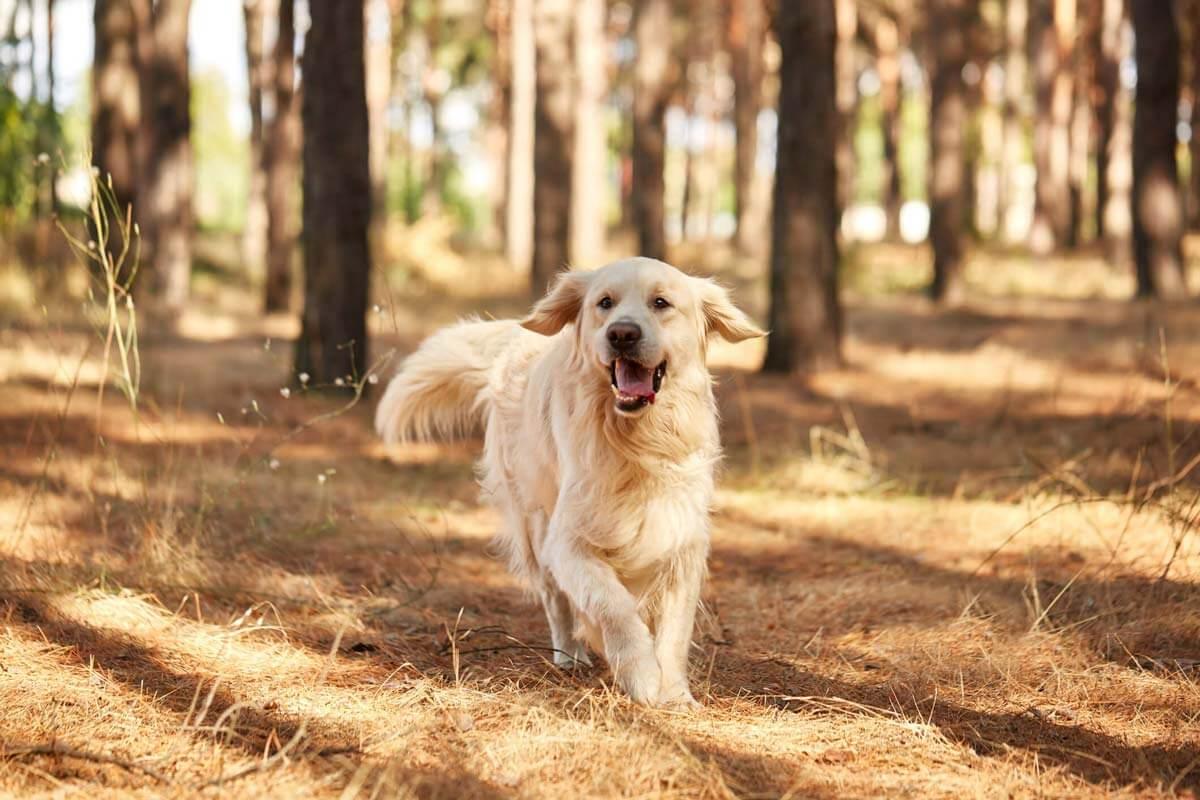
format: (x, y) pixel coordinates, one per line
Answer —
(1157, 205)
(1081, 119)
(1016, 25)
(1194, 144)
(337, 196)
(280, 156)
(518, 221)
(887, 65)
(846, 12)
(116, 111)
(50, 130)
(165, 193)
(805, 319)
(434, 93)
(1114, 135)
(1052, 31)
(947, 122)
(553, 138)
(379, 93)
(747, 30)
(589, 183)
(254, 234)
(652, 30)
(499, 118)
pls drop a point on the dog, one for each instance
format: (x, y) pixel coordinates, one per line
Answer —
(600, 442)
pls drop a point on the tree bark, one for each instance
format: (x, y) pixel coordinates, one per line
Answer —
(747, 31)
(499, 118)
(846, 12)
(805, 319)
(1157, 204)
(1194, 144)
(947, 121)
(652, 31)
(379, 93)
(166, 170)
(1016, 25)
(280, 156)
(434, 92)
(116, 110)
(254, 234)
(1114, 134)
(553, 139)
(589, 184)
(518, 224)
(1052, 31)
(337, 196)
(1081, 118)
(887, 65)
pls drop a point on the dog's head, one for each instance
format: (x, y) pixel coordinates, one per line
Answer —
(638, 322)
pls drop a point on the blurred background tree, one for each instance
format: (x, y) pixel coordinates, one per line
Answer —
(503, 140)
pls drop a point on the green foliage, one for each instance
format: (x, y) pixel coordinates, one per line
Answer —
(19, 149)
(222, 156)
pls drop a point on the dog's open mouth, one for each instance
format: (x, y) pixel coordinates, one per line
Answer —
(634, 384)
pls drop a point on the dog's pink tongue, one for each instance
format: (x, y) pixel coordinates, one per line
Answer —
(634, 380)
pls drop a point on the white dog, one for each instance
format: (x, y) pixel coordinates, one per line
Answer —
(600, 443)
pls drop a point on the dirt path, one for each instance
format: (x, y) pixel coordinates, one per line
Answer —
(963, 566)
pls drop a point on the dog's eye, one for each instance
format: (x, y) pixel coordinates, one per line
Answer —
(605, 303)
(661, 302)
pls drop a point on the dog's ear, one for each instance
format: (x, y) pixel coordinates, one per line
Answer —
(722, 317)
(561, 304)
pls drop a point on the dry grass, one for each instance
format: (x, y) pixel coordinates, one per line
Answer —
(963, 566)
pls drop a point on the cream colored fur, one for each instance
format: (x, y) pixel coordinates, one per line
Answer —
(605, 512)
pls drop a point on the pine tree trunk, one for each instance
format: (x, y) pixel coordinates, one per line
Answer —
(1052, 31)
(166, 171)
(1114, 135)
(337, 196)
(1081, 119)
(116, 109)
(652, 31)
(281, 152)
(435, 184)
(379, 92)
(847, 100)
(1157, 204)
(1016, 27)
(747, 30)
(947, 122)
(1194, 144)
(589, 184)
(518, 221)
(254, 234)
(499, 118)
(553, 139)
(805, 318)
(887, 65)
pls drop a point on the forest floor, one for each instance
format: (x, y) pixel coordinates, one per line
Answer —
(965, 565)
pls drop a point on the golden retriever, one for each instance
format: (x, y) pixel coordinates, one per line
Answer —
(600, 443)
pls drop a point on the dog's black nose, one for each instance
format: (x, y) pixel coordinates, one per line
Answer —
(624, 335)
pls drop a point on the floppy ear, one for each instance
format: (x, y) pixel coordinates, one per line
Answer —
(560, 306)
(722, 317)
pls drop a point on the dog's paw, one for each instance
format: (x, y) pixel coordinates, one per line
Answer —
(678, 699)
(642, 682)
(574, 658)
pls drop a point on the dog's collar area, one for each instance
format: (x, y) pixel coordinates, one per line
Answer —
(635, 385)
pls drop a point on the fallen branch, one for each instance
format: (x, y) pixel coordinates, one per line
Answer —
(56, 749)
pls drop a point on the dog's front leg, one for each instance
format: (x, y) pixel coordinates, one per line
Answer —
(598, 594)
(674, 625)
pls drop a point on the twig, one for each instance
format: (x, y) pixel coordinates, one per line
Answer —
(266, 763)
(56, 749)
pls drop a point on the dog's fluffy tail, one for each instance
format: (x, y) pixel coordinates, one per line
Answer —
(441, 389)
